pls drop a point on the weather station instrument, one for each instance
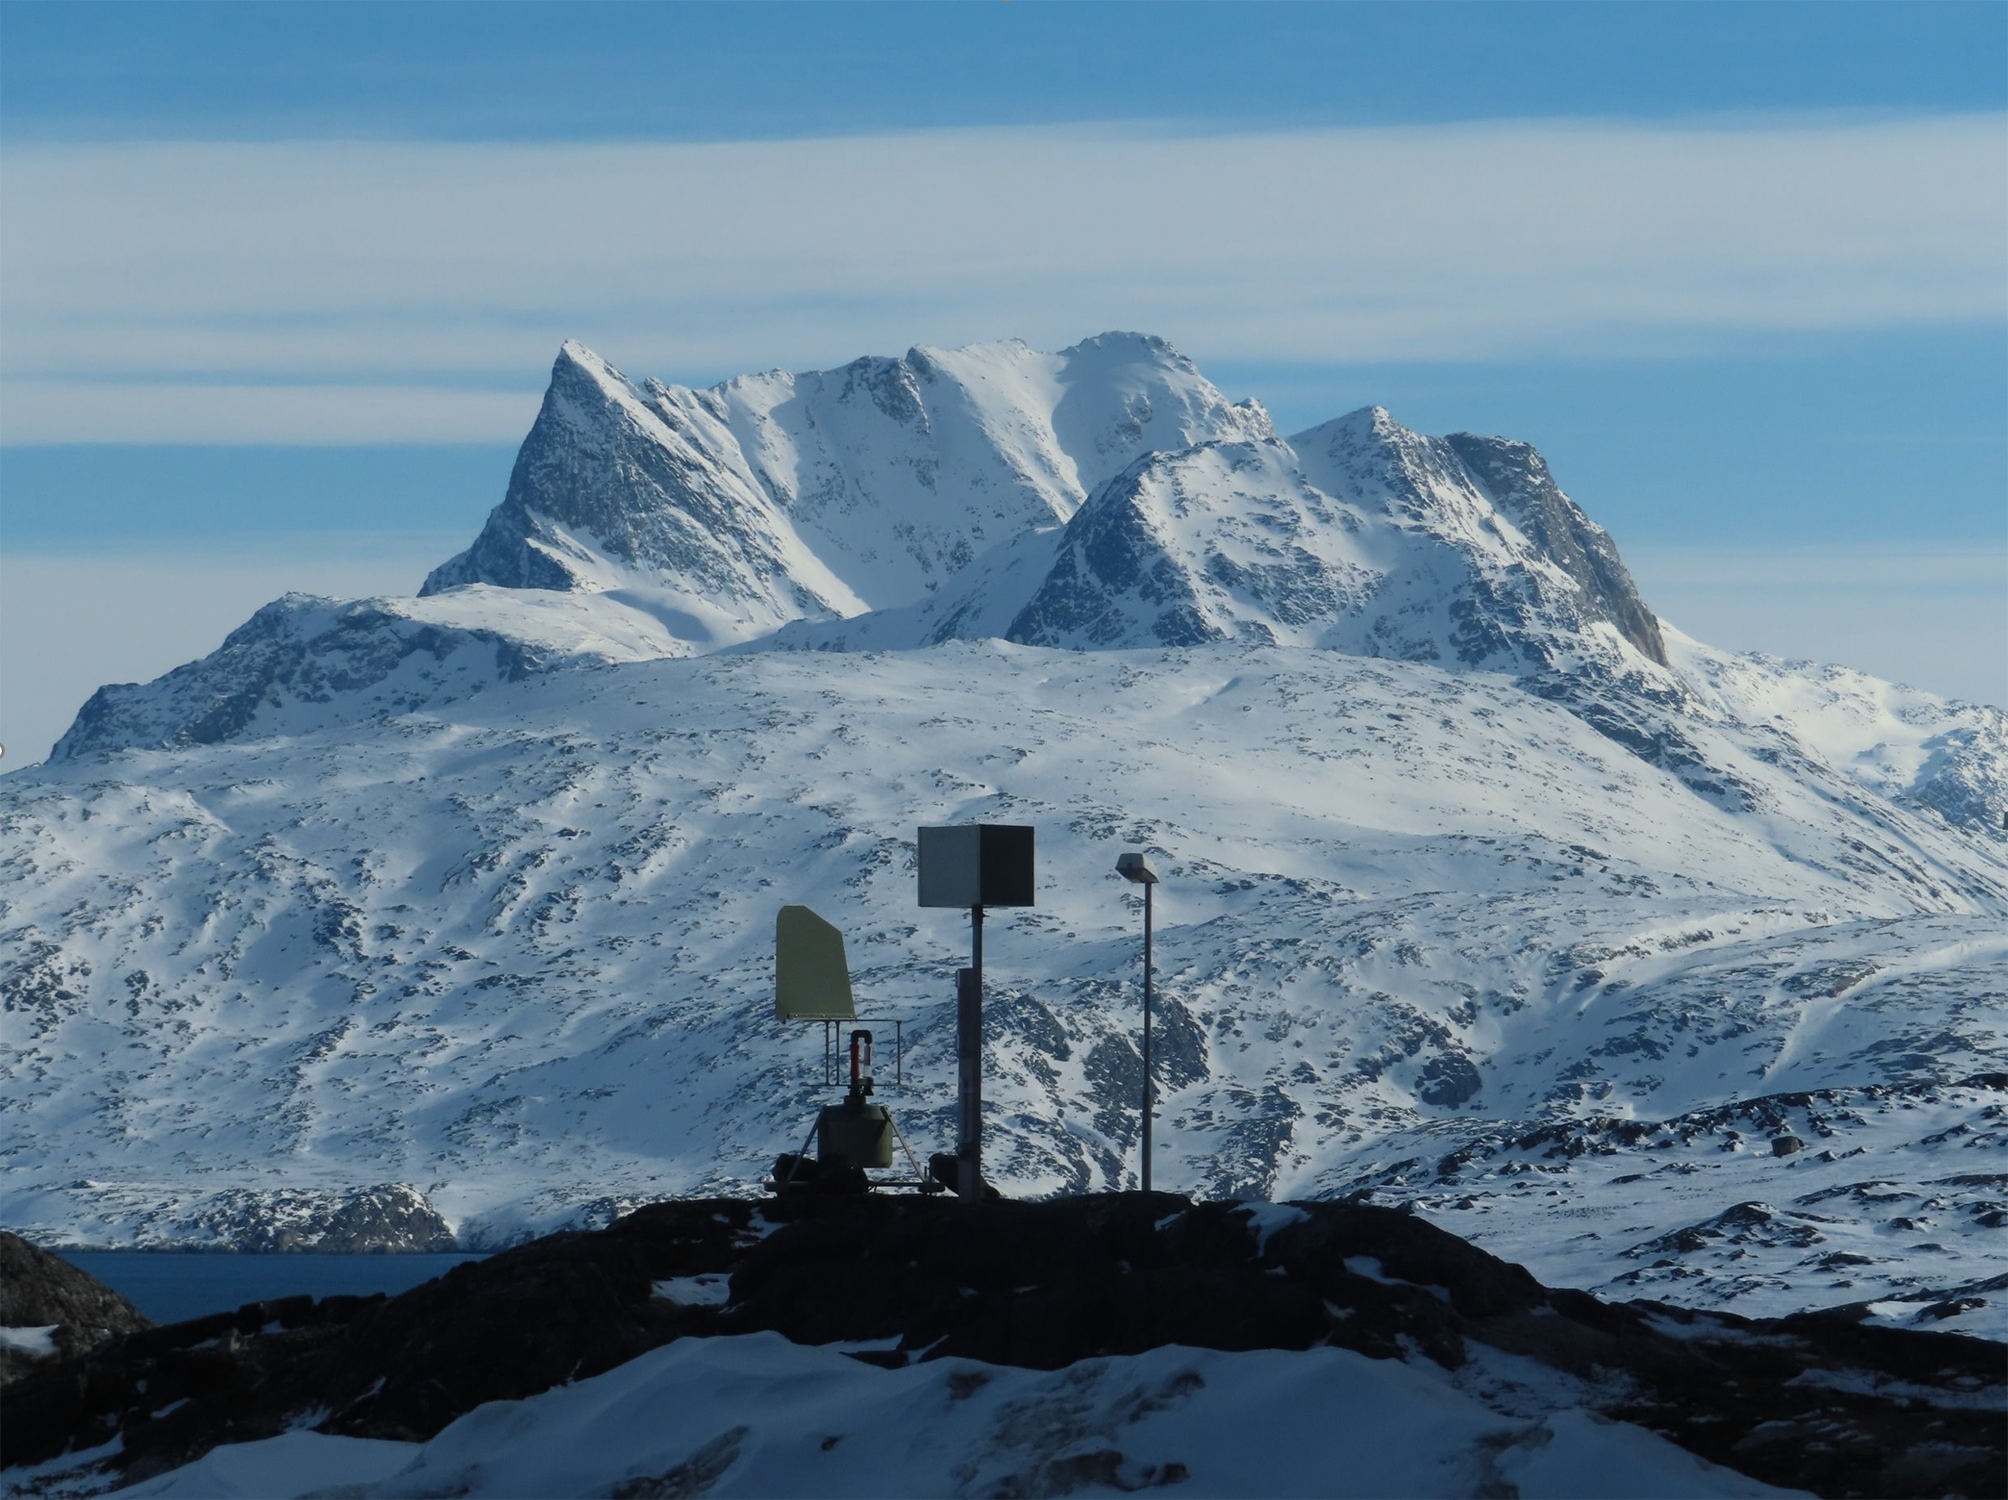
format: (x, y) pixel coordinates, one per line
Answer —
(812, 983)
(973, 866)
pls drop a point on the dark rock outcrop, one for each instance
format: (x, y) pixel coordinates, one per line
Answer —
(40, 1290)
(1041, 1285)
(389, 1218)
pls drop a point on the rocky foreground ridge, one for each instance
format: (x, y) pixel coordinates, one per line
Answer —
(1816, 1402)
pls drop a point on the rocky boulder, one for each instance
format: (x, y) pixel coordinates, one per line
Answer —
(47, 1304)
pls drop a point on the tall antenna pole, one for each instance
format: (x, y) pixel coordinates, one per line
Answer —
(969, 1060)
(1149, 1083)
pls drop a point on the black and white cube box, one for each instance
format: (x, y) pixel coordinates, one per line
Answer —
(976, 864)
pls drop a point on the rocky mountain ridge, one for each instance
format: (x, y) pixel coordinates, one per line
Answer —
(1107, 497)
(785, 496)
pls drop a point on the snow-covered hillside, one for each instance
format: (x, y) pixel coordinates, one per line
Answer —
(1911, 746)
(1478, 876)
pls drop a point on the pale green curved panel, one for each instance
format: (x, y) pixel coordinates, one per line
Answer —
(812, 979)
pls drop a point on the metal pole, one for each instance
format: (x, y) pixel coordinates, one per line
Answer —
(1149, 1086)
(969, 1045)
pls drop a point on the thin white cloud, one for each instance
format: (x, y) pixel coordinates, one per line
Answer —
(146, 412)
(385, 263)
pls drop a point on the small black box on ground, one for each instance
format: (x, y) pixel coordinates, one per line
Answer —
(976, 864)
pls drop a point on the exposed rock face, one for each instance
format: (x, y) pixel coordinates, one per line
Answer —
(388, 1218)
(1517, 481)
(1357, 536)
(1043, 1285)
(43, 1291)
(1221, 542)
(614, 485)
(1464, 588)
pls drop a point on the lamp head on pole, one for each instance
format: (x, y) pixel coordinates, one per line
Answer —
(1136, 866)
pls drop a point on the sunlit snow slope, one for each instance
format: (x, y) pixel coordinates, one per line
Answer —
(1484, 888)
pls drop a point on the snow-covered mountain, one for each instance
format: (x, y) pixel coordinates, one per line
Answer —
(1357, 536)
(1485, 888)
(777, 497)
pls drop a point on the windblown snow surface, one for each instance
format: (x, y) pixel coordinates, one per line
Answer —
(1663, 971)
(782, 1419)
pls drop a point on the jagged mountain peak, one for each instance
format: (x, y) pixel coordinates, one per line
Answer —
(1114, 339)
(593, 389)
(1455, 492)
(1516, 480)
(1105, 495)
(1119, 347)
(1368, 431)
(1365, 424)
(572, 352)
(833, 492)
(1370, 418)
(1360, 536)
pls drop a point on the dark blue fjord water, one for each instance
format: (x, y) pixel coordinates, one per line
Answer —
(170, 1287)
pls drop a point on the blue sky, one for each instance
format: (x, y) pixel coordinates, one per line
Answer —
(730, 72)
(280, 284)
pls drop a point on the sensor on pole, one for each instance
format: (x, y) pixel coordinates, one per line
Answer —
(973, 865)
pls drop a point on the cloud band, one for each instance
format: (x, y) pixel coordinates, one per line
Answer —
(408, 279)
